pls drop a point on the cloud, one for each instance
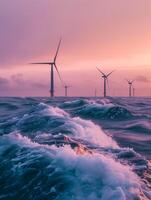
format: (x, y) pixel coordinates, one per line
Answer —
(20, 80)
(39, 85)
(17, 81)
(3, 81)
(142, 79)
(4, 85)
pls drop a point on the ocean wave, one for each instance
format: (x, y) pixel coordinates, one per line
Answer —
(50, 152)
(139, 127)
(110, 112)
(74, 103)
(42, 118)
(7, 126)
(55, 120)
(34, 171)
(10, 106)
(98, 109)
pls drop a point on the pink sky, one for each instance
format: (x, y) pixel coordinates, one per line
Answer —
(110, 34)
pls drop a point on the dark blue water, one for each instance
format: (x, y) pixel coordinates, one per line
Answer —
(75, 148)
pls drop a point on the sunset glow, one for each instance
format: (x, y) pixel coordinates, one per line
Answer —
(111, 35)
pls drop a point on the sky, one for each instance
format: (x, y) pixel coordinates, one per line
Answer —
(109, 34)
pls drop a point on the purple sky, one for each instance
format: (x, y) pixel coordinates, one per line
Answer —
(110, 34)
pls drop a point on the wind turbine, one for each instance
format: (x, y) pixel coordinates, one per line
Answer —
(130, 87)
(133, 92)
(66, 89)
(52, 65)
(105, 77)
(95, 92)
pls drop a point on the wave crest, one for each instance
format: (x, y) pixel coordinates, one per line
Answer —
(98, 111)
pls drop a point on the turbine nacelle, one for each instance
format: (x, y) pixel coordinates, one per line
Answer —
(103, 76)
(130, 82)
(67, 86)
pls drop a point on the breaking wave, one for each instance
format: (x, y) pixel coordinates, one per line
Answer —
(62, 173)
(47, 153)
(100, 109)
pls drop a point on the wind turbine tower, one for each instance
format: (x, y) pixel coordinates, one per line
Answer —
(52, 65)
(133, 92)
(66, 90)
(105, 77)
(95, 92)
(130, 83)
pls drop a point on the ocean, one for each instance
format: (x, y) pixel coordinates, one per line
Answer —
(75, 148)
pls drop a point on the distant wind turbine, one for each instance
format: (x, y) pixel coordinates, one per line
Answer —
(105, 77)
(52, 65)
(130, 83)
(95, 92)
(133, 92)
(66, 89)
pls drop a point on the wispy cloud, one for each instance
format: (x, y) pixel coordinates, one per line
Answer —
(142, 79)
(19, 81)
(3, 81)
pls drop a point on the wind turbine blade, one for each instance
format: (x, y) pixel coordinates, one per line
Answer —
(58, 73)
(127, 80)
(57, 51)
(100, 71)
(110, 73)
(41, 63)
